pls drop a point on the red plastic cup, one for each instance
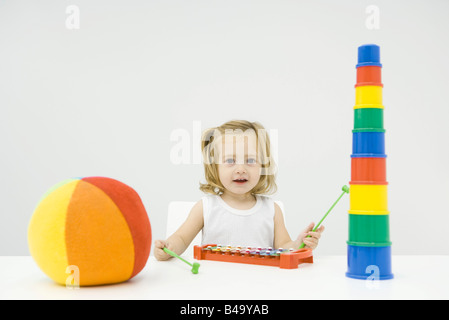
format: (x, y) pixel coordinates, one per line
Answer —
(368, 171)
(369, 76)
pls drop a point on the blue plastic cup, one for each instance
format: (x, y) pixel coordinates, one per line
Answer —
(369, 55)
(369, 263)
(368, 144)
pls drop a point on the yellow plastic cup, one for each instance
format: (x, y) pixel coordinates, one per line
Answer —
(368, 97)
(368, 199)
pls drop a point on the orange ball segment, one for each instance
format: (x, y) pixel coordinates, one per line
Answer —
(95, 227)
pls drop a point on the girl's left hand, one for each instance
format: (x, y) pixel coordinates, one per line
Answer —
(312, 241)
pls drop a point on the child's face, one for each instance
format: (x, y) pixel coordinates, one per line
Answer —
(239, 165)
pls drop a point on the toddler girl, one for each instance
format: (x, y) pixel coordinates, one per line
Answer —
(240, 173)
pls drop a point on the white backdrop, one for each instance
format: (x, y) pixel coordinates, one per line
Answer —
(104, 88)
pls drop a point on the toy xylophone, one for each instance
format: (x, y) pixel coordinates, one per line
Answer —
(283, 258)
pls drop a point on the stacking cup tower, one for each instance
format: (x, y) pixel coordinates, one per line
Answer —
(369, 245)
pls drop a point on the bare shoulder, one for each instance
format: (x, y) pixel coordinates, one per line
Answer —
(198, 206)
(277, 210)
(278, 215)
(197, 210)
(277, 207)
(193, 224)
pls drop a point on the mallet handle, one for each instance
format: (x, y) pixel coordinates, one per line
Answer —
(345, 190)
(176, 256)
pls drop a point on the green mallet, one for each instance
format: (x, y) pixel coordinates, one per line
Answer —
(195, 266)
(345, 190)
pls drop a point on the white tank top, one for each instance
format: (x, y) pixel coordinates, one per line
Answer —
(225, 225)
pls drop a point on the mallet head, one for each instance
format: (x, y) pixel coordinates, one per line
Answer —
(195, 267)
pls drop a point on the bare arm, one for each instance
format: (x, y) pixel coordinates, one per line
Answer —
(281, 237)
(181, 239)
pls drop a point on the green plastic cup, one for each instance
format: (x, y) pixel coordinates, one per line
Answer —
(369, 119)
(369, 230)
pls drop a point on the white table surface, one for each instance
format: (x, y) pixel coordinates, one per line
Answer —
(416, 277)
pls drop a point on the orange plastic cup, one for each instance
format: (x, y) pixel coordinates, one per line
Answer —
(369, 76)
(368, 171)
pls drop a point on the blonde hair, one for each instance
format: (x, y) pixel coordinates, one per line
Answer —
(266, 184)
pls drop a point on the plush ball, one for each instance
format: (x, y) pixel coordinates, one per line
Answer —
(95, 226)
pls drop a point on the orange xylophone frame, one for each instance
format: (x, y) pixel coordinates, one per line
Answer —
(286, 260)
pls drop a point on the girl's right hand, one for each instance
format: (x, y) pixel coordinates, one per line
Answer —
(159, 252)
